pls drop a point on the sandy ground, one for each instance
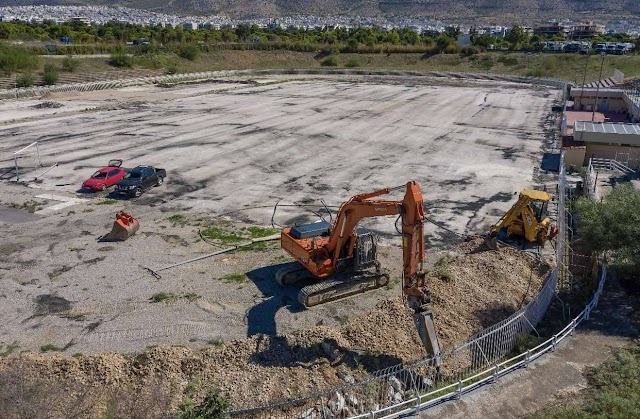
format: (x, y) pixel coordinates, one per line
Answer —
(228, 146)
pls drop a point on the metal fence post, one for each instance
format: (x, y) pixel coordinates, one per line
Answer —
(527, 358)
(459, 389)
(553, 343)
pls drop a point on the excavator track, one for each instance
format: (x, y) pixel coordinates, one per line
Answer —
(332, 290)
(290, 273)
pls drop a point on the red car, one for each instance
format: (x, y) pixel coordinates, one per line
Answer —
(105, 177)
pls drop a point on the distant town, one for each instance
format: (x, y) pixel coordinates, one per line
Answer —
(97, 15)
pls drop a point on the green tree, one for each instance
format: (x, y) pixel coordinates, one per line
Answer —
(516, 36)
(612, 225)
(443, 42)
(243, 32)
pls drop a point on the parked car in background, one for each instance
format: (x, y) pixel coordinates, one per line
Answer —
(585, 48)
(600, 48)
(611, 49)
(621, 49)
(105, 177)
(139, 179)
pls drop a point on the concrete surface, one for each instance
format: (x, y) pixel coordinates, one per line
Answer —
(228, 146)
(236, 149)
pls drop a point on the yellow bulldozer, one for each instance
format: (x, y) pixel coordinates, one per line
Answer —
(527, 219)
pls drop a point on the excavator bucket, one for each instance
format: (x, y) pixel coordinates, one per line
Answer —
(124, 227)
(427, 333)
(491, 243)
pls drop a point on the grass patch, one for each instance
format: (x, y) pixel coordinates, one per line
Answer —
(259, 232)
(614, 391)
(49, 347)
(342, 319)
(224, 236)
(177, 219)
(254, 247)
(284, 258)
(30, 206)
(216, 342)
(441, 270)
(160, 297)
(569, 66)
(107, 201)
(392, 284)
(8, 350)
(234, 278)
(191, 296)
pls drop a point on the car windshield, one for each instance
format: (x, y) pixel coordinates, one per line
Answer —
(99, 175)
(133, 175)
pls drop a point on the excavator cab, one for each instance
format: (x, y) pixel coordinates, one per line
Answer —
(527, 219)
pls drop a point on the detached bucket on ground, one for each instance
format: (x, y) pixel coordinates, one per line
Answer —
(124, 227)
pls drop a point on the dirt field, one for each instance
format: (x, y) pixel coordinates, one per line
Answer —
(483, 287)
(232, 150)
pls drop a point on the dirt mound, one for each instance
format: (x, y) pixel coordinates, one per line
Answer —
(472, 289)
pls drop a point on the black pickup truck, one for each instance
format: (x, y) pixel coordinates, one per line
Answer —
(139, 179)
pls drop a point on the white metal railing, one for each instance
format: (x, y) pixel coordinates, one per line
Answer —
(611, 164)
(591, 178)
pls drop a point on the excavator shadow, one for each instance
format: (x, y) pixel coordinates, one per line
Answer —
(261, 317)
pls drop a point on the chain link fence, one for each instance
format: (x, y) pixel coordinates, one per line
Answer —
(408, 388)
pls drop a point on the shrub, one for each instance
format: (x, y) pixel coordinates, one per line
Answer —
(13, 59)
(25, 80)
(70, 64)
(469, 51)
(51, 75)
(508, 60)
(189, 52)
(172, 68)
(535, 72)
(120, 59)
(330, 61)
(213, 406)
(353, 62)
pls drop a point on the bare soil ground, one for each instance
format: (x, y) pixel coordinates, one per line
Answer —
(484, 287)
(232, 150)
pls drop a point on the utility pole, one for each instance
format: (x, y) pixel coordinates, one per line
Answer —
(593, 114)
(584, 80)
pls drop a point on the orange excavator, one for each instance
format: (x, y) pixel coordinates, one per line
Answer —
(340, 258)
